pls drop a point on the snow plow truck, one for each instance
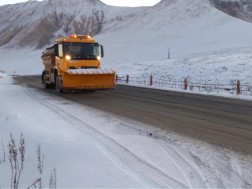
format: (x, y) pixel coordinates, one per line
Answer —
(74, 63)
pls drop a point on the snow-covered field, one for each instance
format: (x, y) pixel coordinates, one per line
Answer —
(93, 149)
(209, 73)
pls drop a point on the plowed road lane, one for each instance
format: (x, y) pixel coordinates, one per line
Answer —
(214, 119)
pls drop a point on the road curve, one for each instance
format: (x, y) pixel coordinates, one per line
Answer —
(222, 121)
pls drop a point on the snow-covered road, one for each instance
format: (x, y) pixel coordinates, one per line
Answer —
(93, 149)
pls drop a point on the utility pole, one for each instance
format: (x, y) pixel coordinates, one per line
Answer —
(169, 53)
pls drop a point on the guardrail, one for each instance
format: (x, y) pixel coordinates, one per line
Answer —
(234, 87)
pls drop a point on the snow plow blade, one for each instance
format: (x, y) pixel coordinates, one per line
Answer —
(91, 79)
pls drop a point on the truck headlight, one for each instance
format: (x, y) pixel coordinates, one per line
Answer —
(68, 57)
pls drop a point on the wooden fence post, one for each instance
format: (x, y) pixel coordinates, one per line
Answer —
(127, 79)
(151, 80)
(238, 88)
(185, 84)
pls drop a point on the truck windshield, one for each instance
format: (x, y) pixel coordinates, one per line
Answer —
(82, 51)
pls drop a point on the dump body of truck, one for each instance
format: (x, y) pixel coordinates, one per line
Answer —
(74, 63)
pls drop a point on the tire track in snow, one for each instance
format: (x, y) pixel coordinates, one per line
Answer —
(196, 178)
(146, 174)
(231, 172)
(189, 171)
(221, 170)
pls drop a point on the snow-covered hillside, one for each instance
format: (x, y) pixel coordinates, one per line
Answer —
(180, 25)
(36, 24)
(184, 26)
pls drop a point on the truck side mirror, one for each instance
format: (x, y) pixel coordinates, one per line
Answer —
(102, 51)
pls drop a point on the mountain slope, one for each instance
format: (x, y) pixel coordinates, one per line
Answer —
(38, 23)
(239, 8)
(182, 26)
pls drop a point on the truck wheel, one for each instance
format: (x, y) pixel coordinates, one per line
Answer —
(46, 85)
(59, 87)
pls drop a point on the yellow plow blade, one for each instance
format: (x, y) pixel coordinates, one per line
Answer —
(89, 79)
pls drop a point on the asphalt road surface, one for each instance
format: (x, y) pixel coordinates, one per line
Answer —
(218, 120)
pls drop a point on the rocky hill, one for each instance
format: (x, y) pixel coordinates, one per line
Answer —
(37, 24)
(239, 8)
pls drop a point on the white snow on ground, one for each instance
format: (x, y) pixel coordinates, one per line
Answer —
(209, 73)
(93, 149)
(220, 69)
(78, 160)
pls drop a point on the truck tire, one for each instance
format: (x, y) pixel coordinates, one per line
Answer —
(46, 85)
(58, 84)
